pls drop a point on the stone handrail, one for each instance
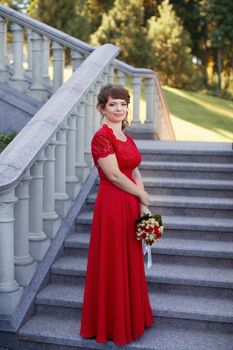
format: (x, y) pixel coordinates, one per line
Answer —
(41, 172)
(39, 35)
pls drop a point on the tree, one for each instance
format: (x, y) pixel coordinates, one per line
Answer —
(219, 15)
(69, 16)
(123, 26)
(170, 47)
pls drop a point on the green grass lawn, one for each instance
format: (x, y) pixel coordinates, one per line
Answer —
(199, 117)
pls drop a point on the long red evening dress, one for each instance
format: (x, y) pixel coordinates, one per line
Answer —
(116, 304)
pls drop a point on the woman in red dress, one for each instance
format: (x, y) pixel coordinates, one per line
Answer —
(116, 304)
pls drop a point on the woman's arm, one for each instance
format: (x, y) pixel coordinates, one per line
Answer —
(110, 168)
(138, 179)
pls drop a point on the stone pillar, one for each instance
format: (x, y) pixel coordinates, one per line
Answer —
(58, 65)
(89, 127)
(121, 77)
(136, 100)
(37, 90)
(4, 74)
(62, 202)
(39, 243)
(149, 91)
(10, 292)
(25, 266)
(29, 43)
(111, 74)
(72, 182)
(18, 80)
(82, 170)
(77, 59)
(46, 52)
(51, 221)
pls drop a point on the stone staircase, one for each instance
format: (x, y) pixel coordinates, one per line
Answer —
(191, 280)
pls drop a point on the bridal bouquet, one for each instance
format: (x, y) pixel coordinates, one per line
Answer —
(149, 228)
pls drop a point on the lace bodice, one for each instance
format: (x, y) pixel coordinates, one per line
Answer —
(105, 142)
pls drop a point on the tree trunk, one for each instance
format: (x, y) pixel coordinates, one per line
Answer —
(219, 68)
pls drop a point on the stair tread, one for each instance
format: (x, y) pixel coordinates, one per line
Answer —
(187, 165)
(161, 272)
(170, 244)
(189, 222)
(190, 201)
(184, 182)
(64, 330)
(161, 302)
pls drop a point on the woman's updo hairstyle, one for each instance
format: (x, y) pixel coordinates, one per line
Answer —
(114, 91)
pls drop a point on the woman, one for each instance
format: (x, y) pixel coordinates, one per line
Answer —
(116, 303)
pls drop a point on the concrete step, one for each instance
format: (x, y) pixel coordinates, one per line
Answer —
(185, 206)
(213, 171)
(186, 247)
(179, 227)
(164, 304)
(187, 187)
(165, 272)
(62, 333)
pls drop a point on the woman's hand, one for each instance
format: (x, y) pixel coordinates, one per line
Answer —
(144, 198)
(144, 210)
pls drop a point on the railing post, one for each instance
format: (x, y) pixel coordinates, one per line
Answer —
(89, 127)
(149, 87)
(77, 59)
(136, 100)
(46, 52)
(80, 164)
(4, 74)
(62, 202)
(58, 65)
(51, 220)
(39, 243)
(96, 114)
(10, 292)
(18, 80)
(111, 74)
(29, 44)
(72, 183)
(37, 90)
(25, 266)
(121, 77)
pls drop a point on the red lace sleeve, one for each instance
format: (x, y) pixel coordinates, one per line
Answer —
(101, 147)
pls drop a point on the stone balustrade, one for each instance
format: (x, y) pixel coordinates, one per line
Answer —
(44, 42)
(42, 169)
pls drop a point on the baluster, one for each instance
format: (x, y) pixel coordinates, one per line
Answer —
(62, 202)
(29, 43)
(96, 116)
(72, 183)
(105, 77)
(121, 77)
(77, 59)
(18, 80)
(58, 65)
(51, 220)
(46, 51)
(10, 292)
(37, 90)
(88, 127)
(4, 74)
(149, 86)
(25, 266)
(158, 112)
(111, 74)
(82, 170)
(136, 100)
(39, 243)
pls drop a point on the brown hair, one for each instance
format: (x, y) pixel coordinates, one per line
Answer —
(114, 91)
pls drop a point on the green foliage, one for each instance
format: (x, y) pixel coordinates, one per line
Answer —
(5, 139)
(123, 26)
(69, 16)
(170, 47)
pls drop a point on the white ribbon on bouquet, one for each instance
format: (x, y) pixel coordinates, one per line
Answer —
(147, 249)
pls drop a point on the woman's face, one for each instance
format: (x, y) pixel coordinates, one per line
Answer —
(115, 110)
